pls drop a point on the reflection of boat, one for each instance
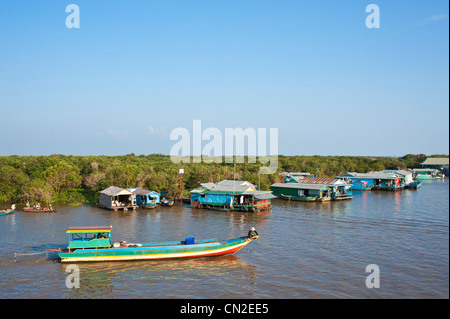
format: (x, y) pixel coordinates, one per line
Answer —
(39, 210)
(166, 202)
(94, 244)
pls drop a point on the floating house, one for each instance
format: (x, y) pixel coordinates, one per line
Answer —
(145, 198)
(295, 177)
(441, 163)
(301, 192)
(374, 180)
(427, 173)
(231, 195)
(313, 189)
(408, 176)
(116, 198)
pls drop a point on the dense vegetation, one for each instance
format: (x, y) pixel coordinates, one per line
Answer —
(76, 180)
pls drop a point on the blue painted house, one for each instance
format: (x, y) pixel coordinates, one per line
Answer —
(231, 195)
(145, 198)
(338, 189)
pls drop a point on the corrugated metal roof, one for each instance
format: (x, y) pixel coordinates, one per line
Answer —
(141, 192)
(324, 181)
(425, 170)
(233, 186)
(371, 175)
(398, 171)
(263, 194)
(114, 191)
(208, 185)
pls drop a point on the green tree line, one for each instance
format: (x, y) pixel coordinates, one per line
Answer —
(77, 180)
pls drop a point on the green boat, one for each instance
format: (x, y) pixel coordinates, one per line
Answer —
(427, 174)
(302, 192)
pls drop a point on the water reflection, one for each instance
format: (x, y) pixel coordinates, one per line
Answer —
(101, 280)
(306, 250)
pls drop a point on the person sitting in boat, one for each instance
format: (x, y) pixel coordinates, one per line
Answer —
(27, 204)
(252, 233)
(13, 206)
(50, 207)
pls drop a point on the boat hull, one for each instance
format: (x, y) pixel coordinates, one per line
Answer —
(158, 251)
(39, 210)
(7, 213)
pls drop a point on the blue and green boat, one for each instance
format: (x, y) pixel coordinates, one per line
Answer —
(88, 244)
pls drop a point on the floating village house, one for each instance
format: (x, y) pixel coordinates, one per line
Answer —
(427, 173)
(145, 198)
(374, 180)
(441, 163)
(301, 192)
(231, 195)
(312, 189)
(116, 198)
(295, 177)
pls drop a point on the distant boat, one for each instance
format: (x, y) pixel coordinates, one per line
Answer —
(7, 211)
(166, 202)
(427, 174)
(414, 185)
(94, 244)
(39, 210)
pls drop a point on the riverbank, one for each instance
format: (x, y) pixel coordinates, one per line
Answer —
(76, 180)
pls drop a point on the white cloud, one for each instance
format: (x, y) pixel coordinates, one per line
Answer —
(158, 131)
(119, 135)
(437, 17)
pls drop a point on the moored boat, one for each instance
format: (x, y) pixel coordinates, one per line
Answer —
(39, 209)
(231, 195)
(87, 244)
(166, 202)
(8, 210)
(427, 174)
(414, 185)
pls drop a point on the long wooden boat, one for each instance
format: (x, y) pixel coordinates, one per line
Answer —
(88, 244)
(39, 210)
(6, 211)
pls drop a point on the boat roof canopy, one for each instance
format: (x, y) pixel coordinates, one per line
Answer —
(89, 229)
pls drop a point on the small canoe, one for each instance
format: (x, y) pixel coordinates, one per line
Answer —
(166, 202)
(39, 210)
(6, 212)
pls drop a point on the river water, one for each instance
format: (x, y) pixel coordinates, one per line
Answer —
(305, 250)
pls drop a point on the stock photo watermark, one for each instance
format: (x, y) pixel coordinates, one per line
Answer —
(373, 280)
(73, 279)
(232, 142)
(373, 19)
(73, 19)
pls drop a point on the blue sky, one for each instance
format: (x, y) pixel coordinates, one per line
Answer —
(135, 70)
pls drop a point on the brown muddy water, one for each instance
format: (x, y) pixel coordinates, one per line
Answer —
(305, 250)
